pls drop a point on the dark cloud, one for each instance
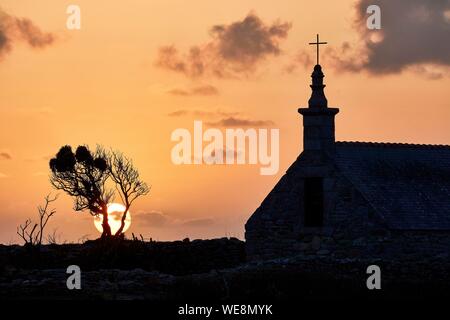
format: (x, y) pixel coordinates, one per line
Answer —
(248, 41)
(5, 155)
(239, 122)
(32, 34)
(413, 32)
(413, 36)
(14, 29)
(234, 49)
(206, 90)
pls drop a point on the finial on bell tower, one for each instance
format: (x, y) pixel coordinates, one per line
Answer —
(318, 99)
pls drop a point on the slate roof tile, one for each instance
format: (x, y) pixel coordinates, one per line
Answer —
(407, 184)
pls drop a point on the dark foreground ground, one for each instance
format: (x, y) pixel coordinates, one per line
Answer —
(208, 271)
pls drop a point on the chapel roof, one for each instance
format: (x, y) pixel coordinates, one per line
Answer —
(408, 185)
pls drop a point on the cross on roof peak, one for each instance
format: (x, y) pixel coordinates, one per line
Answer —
(317, 43)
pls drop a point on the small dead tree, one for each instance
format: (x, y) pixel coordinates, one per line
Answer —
(45, 214)
(26, 232)
(33, 233)
(128, 182)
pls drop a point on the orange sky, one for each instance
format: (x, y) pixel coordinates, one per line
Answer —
(100, 85)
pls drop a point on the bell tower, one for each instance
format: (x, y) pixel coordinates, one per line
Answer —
(318, 119)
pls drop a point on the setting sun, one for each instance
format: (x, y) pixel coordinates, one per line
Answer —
(115, 211)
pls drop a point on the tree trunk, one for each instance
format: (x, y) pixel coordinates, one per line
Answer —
(106, 228)
(122, 222)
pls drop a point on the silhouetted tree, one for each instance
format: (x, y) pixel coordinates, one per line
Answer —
(83, 175)
(31, 233)
(127, 180)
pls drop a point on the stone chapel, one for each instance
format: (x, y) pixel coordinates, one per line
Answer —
(354, 198)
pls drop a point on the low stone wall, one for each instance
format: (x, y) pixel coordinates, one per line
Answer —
(177, 257)
(419, 245)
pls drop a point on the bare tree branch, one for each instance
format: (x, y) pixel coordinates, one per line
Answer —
(127, 180)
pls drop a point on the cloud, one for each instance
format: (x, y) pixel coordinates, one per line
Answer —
(224, 152)
(199, 223)
(226, 118)
(413, 36)
(239, 122)
(178, 92)
(234, 49)
(431, 72)
(115, 215)
(32, 34)
(202, 113)
(4, 155)
(152, 219)
(158, 219)
(302, 58)
(212, 114)
(14, 29)
(178, 113)
(206, 90)
(413, 32)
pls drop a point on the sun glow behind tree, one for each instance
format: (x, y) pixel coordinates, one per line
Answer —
(115, 212)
